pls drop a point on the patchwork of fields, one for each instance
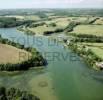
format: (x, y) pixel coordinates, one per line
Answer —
(89, 27)
(22, 66)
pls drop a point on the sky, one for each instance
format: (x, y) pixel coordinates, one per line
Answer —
(8, 4)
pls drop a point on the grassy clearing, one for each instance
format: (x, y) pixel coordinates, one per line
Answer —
(32, 17)
(98, 51)
(89, 30)
(93, 44)
(63, 22)
(60, 22)
(10, 54)
(42, 29)
(97, 48)
(54, 16)
(60, 19)
(80, 19)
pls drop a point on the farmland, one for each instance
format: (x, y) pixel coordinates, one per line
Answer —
(10, 54)
(97, 51)
(89, 30)
(97, 48)
(83, 29)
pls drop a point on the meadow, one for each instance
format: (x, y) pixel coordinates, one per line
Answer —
(89, 30)
(96, 48)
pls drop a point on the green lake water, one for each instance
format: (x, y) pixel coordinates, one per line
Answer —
(72, 79)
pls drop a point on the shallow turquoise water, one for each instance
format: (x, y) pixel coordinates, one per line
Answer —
(72, 80)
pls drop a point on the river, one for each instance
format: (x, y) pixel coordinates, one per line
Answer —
(70, 76)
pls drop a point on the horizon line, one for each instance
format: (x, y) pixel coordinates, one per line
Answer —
(55, 8)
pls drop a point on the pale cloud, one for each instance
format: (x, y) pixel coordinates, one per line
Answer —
(50, 3)
(58, 1)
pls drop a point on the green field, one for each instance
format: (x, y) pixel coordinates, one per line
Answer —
(98, 51)
(60, 23)
(89, 30)
(93, 44)
(32, 17)
(41, 29)
(97, 48)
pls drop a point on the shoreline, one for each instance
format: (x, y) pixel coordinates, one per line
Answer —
(89, 61)
(26, 64)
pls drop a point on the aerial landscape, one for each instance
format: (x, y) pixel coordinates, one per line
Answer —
(51, 51)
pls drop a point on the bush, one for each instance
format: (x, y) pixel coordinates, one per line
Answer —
(15, 94)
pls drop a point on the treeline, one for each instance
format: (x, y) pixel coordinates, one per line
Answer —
(35, 60)
(58, 12)
(89, 21)
(71, 25)
(29, 32)
(90, 57)
(15, 94)
(25, 65)
(78, 12)
(7, 22)
(88, 38)
(92, 21)
(36, 24)
(58, 30)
